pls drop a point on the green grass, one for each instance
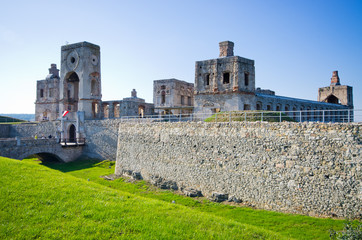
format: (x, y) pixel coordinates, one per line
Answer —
(250, 116)
(10, 120)
(57, 200)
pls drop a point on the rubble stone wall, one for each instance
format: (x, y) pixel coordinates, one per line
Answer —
(4, 130)
(305, 168)
(101, 138)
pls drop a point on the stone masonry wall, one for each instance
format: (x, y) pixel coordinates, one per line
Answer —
(306, 168)
(101, 138)
(4, 130)
(29, 130)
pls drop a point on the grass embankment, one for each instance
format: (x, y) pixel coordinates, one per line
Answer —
(74, 202)
(250, 116)
(10, 120)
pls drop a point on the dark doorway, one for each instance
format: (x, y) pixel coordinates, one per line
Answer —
(332, 99)
(72, 136)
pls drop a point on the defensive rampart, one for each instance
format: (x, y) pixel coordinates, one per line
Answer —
(306, 168)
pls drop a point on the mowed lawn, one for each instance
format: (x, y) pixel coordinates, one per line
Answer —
(72, 201)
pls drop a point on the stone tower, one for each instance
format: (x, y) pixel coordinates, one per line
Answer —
(47, 96)
(80, 88)
(226, 83)
(80, 84)
(336, 93)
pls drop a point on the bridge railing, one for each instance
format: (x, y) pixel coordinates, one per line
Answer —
(335, 115)
(72, 142)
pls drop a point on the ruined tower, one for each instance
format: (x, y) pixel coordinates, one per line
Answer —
(226, 83)
(80, 87)
(80, 84)
(47, 96)
(336, 93)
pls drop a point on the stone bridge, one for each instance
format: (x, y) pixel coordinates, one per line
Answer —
(44, 149)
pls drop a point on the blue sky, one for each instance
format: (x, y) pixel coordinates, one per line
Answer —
(295, 44)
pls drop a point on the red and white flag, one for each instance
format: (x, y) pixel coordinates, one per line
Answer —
(65, 113)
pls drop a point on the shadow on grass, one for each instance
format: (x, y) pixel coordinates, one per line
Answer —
(79, 164)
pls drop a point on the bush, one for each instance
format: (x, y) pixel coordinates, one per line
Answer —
(250, 116)
(352, 231)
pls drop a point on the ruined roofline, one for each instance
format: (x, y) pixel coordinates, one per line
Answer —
(172, 80)
(80, 44)
(225, 59)
(300, 100)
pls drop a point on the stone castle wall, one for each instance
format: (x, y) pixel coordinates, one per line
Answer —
(306, 168)
(29, 130)
(4, 130)
(101, 138)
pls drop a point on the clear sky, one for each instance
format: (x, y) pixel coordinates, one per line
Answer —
(295, 44)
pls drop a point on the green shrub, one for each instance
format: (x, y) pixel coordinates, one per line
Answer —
(250, 116)
(352, 231)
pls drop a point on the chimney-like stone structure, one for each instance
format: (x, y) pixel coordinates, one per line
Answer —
(226, 49)
(335, 79)
(134, 93)
(53, 70)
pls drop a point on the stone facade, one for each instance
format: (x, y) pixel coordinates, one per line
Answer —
(224, 84)
(305, 168)
(47, 96)
(336, 93)
(131, 106)
(173, 96)
(78, 91)
(4, 130)
(80, 80)
(101, 138)
(228, 84)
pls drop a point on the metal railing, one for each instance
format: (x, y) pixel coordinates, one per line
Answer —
(72, 142)
(336, 115)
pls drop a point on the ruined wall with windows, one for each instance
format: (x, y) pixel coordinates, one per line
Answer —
(47, 96)
(227, 83)
(173, 96)
(224, 84)
(336, 93)
(131, 106)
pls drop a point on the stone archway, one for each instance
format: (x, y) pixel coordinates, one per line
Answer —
(332, 99)
(72, 133)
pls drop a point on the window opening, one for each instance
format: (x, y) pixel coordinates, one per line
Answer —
(246, 78)
(163, 97)
(226, 78)
(207, 79)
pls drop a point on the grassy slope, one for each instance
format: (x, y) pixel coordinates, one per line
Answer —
(10, 120)
(290, 226)
(38, 202)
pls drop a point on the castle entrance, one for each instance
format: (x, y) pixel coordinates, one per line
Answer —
(72, 134)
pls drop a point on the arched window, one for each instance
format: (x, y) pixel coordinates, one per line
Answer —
(94, 88)
(163, 97)
(72, 134)
(332, 99)
(258, 106)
